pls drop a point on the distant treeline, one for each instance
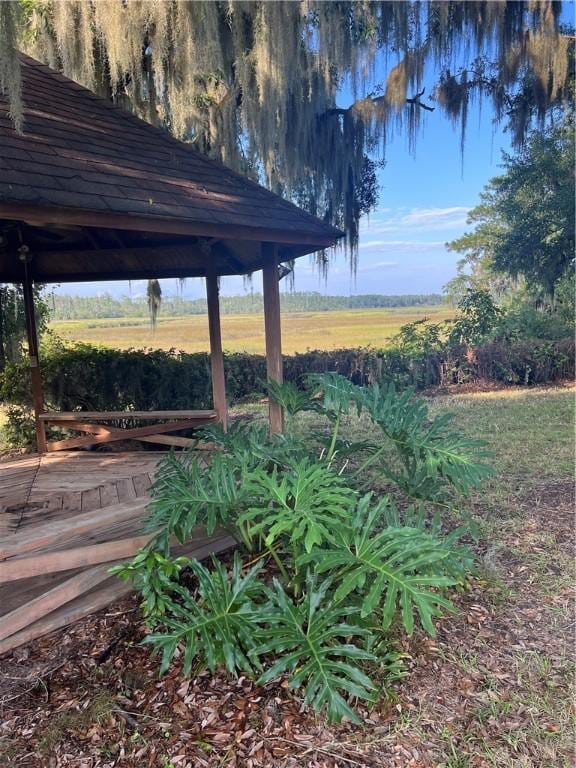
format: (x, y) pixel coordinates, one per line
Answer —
(84, 308)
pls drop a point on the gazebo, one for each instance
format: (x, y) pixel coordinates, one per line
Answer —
(90, 192)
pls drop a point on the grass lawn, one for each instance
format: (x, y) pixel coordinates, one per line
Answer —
(493, 690)
(245, 333)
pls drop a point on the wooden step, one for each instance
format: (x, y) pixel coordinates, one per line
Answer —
(61, 531)
(28, 625)
(51, 562)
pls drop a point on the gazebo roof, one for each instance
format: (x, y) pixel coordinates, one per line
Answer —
(96, 193)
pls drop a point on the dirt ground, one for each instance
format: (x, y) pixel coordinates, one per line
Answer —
(495, 688)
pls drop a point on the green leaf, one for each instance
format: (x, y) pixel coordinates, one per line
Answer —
(304, 505)
(430, 456)
(336, 392)
(314, 637)
(187, 493)
(287, 395)
(396, 568)
(216, 628)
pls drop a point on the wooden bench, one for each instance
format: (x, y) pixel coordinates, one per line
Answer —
(89, 422)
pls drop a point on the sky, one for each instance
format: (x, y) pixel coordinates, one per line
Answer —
(424, 201)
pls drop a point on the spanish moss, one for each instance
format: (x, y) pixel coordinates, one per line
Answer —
(258, 85)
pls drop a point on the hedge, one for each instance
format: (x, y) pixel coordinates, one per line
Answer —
(94, 378)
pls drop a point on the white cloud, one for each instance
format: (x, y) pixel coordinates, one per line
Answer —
(410, 246)
(420, 219)
(436, 217)
(378, 265)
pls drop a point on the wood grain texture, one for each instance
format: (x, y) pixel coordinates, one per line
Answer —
(89, 513)
(64, 530)
(57, 416)
(216, 355)
(51, 562)
(133, 433)
(102, 595)
(32, 336)
(47, 602)
(273, 333)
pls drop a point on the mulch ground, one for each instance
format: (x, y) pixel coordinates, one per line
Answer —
(490, 690)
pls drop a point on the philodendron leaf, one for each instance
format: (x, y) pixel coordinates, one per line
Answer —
(287, 395)
(305, 505)
(395, 569)
(216, 628)
(314, 644)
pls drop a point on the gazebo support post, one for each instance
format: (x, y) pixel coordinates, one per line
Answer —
(216, 356)
(35, 376)
(272, 330)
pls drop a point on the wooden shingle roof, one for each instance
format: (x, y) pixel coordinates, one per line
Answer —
(83, 162)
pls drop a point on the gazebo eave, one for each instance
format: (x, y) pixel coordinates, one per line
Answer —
(267, 255)
(40, 215)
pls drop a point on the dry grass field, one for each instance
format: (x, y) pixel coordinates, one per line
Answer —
(245, 333)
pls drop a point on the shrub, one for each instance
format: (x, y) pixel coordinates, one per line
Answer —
(19, 429)
(335, 567)
(94, 378)
(528, 362)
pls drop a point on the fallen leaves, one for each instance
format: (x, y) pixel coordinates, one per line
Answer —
(497, 674)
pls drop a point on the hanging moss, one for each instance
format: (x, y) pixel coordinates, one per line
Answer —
(255, 84)
(9, 68)
(154, 297)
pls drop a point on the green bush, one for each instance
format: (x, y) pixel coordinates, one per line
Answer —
(329, 568)
(527, 362)
(19, 429)
(83, 377)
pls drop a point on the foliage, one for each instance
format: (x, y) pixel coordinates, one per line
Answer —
(512, 343)
(154, 577)
(303, 505)
(431, 457)
(83, 377)
(94, 378)
(19, 429)
(476, 320)
(334, 570)
(12, 321)
(389, 567)
(216, 626)
(187, 496)
(68, 307)
(522, 321)
(527, 362)
(524, 226)
(257, 85)
(565, 296)
(313, 640)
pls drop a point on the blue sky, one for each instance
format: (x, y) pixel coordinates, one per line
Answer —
(423, 204)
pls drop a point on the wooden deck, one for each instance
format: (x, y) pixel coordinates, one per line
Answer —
(65, 518)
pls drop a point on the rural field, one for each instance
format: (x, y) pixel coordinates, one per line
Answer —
(245, 333)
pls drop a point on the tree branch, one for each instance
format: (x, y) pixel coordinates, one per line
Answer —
(375, 100)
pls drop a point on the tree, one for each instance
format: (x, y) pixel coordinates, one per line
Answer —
(258, 84)
(13, 323)
(524, 225)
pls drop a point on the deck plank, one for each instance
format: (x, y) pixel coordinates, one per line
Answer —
(108, 495)
(101, 596)
(49, 601)
(63, 560)
(74, 513)
(114, 415)
(90, 499)
(61, 531)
